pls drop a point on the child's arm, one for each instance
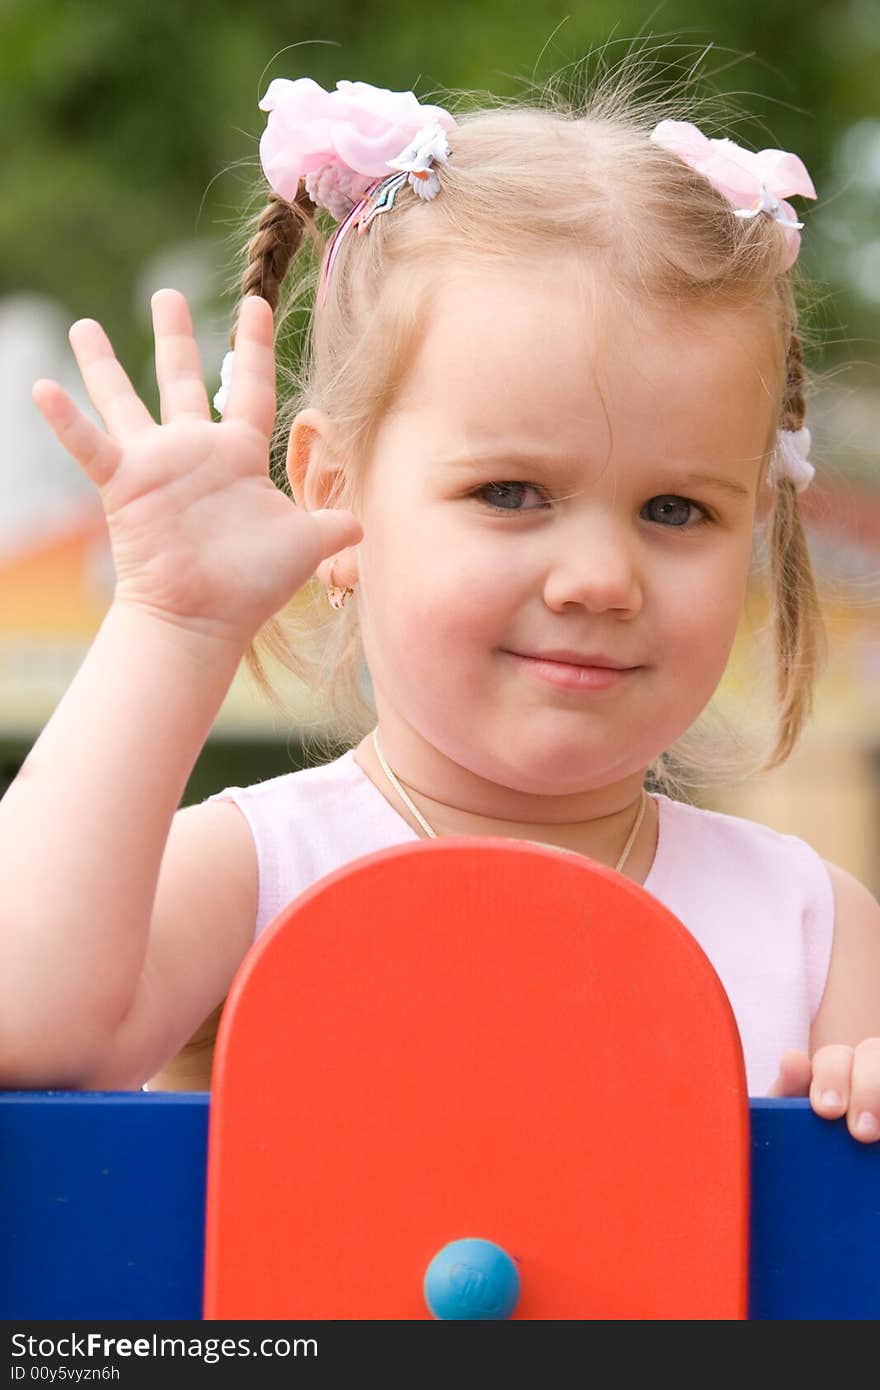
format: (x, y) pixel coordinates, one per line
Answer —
(82, 834)
(841, 1075)
(99, 917)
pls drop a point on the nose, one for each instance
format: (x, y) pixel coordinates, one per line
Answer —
(594, 565)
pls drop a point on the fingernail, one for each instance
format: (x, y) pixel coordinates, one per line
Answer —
(830, 1098)
(868, 1126)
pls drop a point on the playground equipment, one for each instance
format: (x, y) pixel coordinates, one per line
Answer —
(457, 1040)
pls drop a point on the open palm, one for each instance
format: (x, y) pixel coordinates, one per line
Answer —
(199, 532)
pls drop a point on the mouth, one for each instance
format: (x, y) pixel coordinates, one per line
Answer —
(577, 675)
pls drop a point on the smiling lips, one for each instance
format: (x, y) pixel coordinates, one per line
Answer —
(574, 671)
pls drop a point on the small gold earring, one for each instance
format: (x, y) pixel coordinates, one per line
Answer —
(335, 594)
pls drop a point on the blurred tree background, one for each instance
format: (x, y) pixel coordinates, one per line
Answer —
(134, 126)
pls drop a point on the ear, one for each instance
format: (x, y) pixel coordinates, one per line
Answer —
(314, 469)
(316, 472)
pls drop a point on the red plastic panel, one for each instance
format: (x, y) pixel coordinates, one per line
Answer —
(477, 1037)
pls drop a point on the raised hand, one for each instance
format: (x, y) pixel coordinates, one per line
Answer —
(839, 1081)
(200, 534)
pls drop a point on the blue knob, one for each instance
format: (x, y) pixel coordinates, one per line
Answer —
(471, 1279)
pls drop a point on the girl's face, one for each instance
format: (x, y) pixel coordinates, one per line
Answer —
(501, 516)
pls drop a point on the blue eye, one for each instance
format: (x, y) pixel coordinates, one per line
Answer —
(509, 490)
(679, 505)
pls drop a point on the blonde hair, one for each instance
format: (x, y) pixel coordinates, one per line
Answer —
(526, 180)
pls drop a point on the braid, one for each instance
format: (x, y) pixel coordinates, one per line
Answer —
(279, 234)
(799, 630)
(793, 407)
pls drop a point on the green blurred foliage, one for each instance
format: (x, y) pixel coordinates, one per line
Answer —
(134, 125)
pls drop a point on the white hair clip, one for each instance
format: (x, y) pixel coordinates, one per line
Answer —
(429, 147)
(790, 459)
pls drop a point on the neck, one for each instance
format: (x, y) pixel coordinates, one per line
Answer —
(454, 800)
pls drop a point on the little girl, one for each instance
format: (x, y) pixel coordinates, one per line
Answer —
(553, 385)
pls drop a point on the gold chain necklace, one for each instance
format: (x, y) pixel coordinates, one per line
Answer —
(433, 834)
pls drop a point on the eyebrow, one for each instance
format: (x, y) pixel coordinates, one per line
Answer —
(547, 461)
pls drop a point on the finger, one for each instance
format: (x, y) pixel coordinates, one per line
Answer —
(863, 1119)
(178, 364)
(794, 1075)
(337, 529)
(110, 390)
(96, 453)
(830, 1091)
(252, 393)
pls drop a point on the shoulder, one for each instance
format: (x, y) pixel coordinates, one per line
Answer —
(291, 789)
(850, 1008)
(736, 842)
(851, 898)
(722, 822)
(210, 851)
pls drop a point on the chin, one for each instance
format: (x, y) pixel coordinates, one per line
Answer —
(560, 773)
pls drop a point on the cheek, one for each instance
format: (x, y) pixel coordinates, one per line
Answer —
(477, 606)
(455, 610)
(441, 575)
(701, 613)
(435, 612)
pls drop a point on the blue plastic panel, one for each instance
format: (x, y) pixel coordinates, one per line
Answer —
(815, 1216)
(102, 1199)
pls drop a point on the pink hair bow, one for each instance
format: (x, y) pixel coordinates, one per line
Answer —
(342, 145)
(339, 142)
(752, 182)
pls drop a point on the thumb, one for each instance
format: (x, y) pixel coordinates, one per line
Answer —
(337, 529)
(795, 1074)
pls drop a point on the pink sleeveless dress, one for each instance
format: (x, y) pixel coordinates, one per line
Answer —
(759, 903)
